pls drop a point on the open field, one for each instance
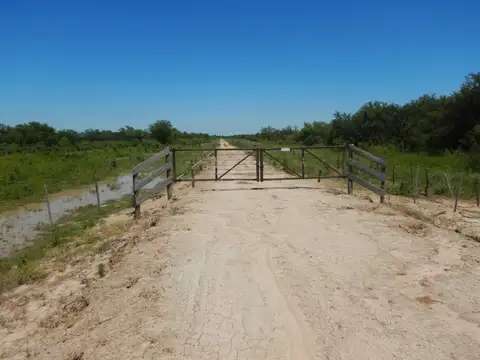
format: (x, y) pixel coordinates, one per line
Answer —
(23, 266)
(23, 175)
(242, 270)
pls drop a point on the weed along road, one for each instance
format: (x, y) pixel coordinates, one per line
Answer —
(288, 270)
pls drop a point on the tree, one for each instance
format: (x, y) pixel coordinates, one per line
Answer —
(316, 132)
(162, 131)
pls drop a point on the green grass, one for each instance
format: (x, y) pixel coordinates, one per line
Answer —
(402, 164)
(25, 266)
(23, 175)
(402, 168)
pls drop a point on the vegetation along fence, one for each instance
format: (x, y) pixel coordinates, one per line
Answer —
(356, 166)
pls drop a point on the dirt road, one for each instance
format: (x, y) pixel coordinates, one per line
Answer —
(278, 273)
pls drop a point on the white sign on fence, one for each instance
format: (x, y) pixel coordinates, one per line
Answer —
(285, 149)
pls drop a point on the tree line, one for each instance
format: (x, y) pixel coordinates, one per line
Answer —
(429, 123)
(35, 136)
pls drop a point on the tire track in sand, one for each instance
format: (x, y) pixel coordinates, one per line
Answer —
(291, 318)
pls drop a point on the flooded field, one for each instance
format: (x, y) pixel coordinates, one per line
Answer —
(20, 227)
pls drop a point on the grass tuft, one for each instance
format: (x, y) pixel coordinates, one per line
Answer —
(101, 270)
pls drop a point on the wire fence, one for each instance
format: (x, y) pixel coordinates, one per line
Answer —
(418, 181)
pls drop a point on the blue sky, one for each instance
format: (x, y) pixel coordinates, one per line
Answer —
(225, 66)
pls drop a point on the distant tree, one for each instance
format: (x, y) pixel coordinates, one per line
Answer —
(316, 132)
(162, 131)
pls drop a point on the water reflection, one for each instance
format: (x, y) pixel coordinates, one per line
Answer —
(19, 228)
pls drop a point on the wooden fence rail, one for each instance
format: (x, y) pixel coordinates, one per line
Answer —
(356, 164)
(352, 168)
(161, 184)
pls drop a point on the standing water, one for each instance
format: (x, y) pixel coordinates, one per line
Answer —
(20, 227)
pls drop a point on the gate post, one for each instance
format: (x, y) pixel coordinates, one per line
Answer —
(136, 207)
(261, 164)
(350, 169)
(257, 165)
(174, 166)
(216, 165)
(382, 185)
(169, 186)
(303, 163)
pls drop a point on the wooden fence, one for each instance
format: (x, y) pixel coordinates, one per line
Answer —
(362, 167)
(154, 174)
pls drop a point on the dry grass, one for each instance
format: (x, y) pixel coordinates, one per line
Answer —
(414, 213)
(415, 228)
(426, 300)
(101, 270)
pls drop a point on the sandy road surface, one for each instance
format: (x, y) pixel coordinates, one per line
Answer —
(262, 274)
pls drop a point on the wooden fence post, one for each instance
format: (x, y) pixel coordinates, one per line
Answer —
(261, 164)
(216, 165)
(457, 194)
(169, 186)
(319, 175)
(193, 177)
(350, 170)
(48, 207)
(382, 184)
(303, 163)
(427, 182)
(136, 206)
(95, 178)
(257, 164)
(345, 160)
(174, 164)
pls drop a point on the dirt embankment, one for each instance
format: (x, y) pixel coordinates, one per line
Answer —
(224, 272)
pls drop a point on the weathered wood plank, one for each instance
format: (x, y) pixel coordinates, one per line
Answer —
(151, 160)
(153, 175)
(148, 193)
(379, 175)
(366, 184)
(366, 154)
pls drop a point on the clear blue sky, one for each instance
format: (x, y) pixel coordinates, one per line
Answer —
(225, 66)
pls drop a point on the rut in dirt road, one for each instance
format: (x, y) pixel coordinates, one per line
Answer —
(279, 273)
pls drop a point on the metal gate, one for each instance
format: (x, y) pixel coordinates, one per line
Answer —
(279, 157)
(365, 169)
(289, 157)
(211, 155)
